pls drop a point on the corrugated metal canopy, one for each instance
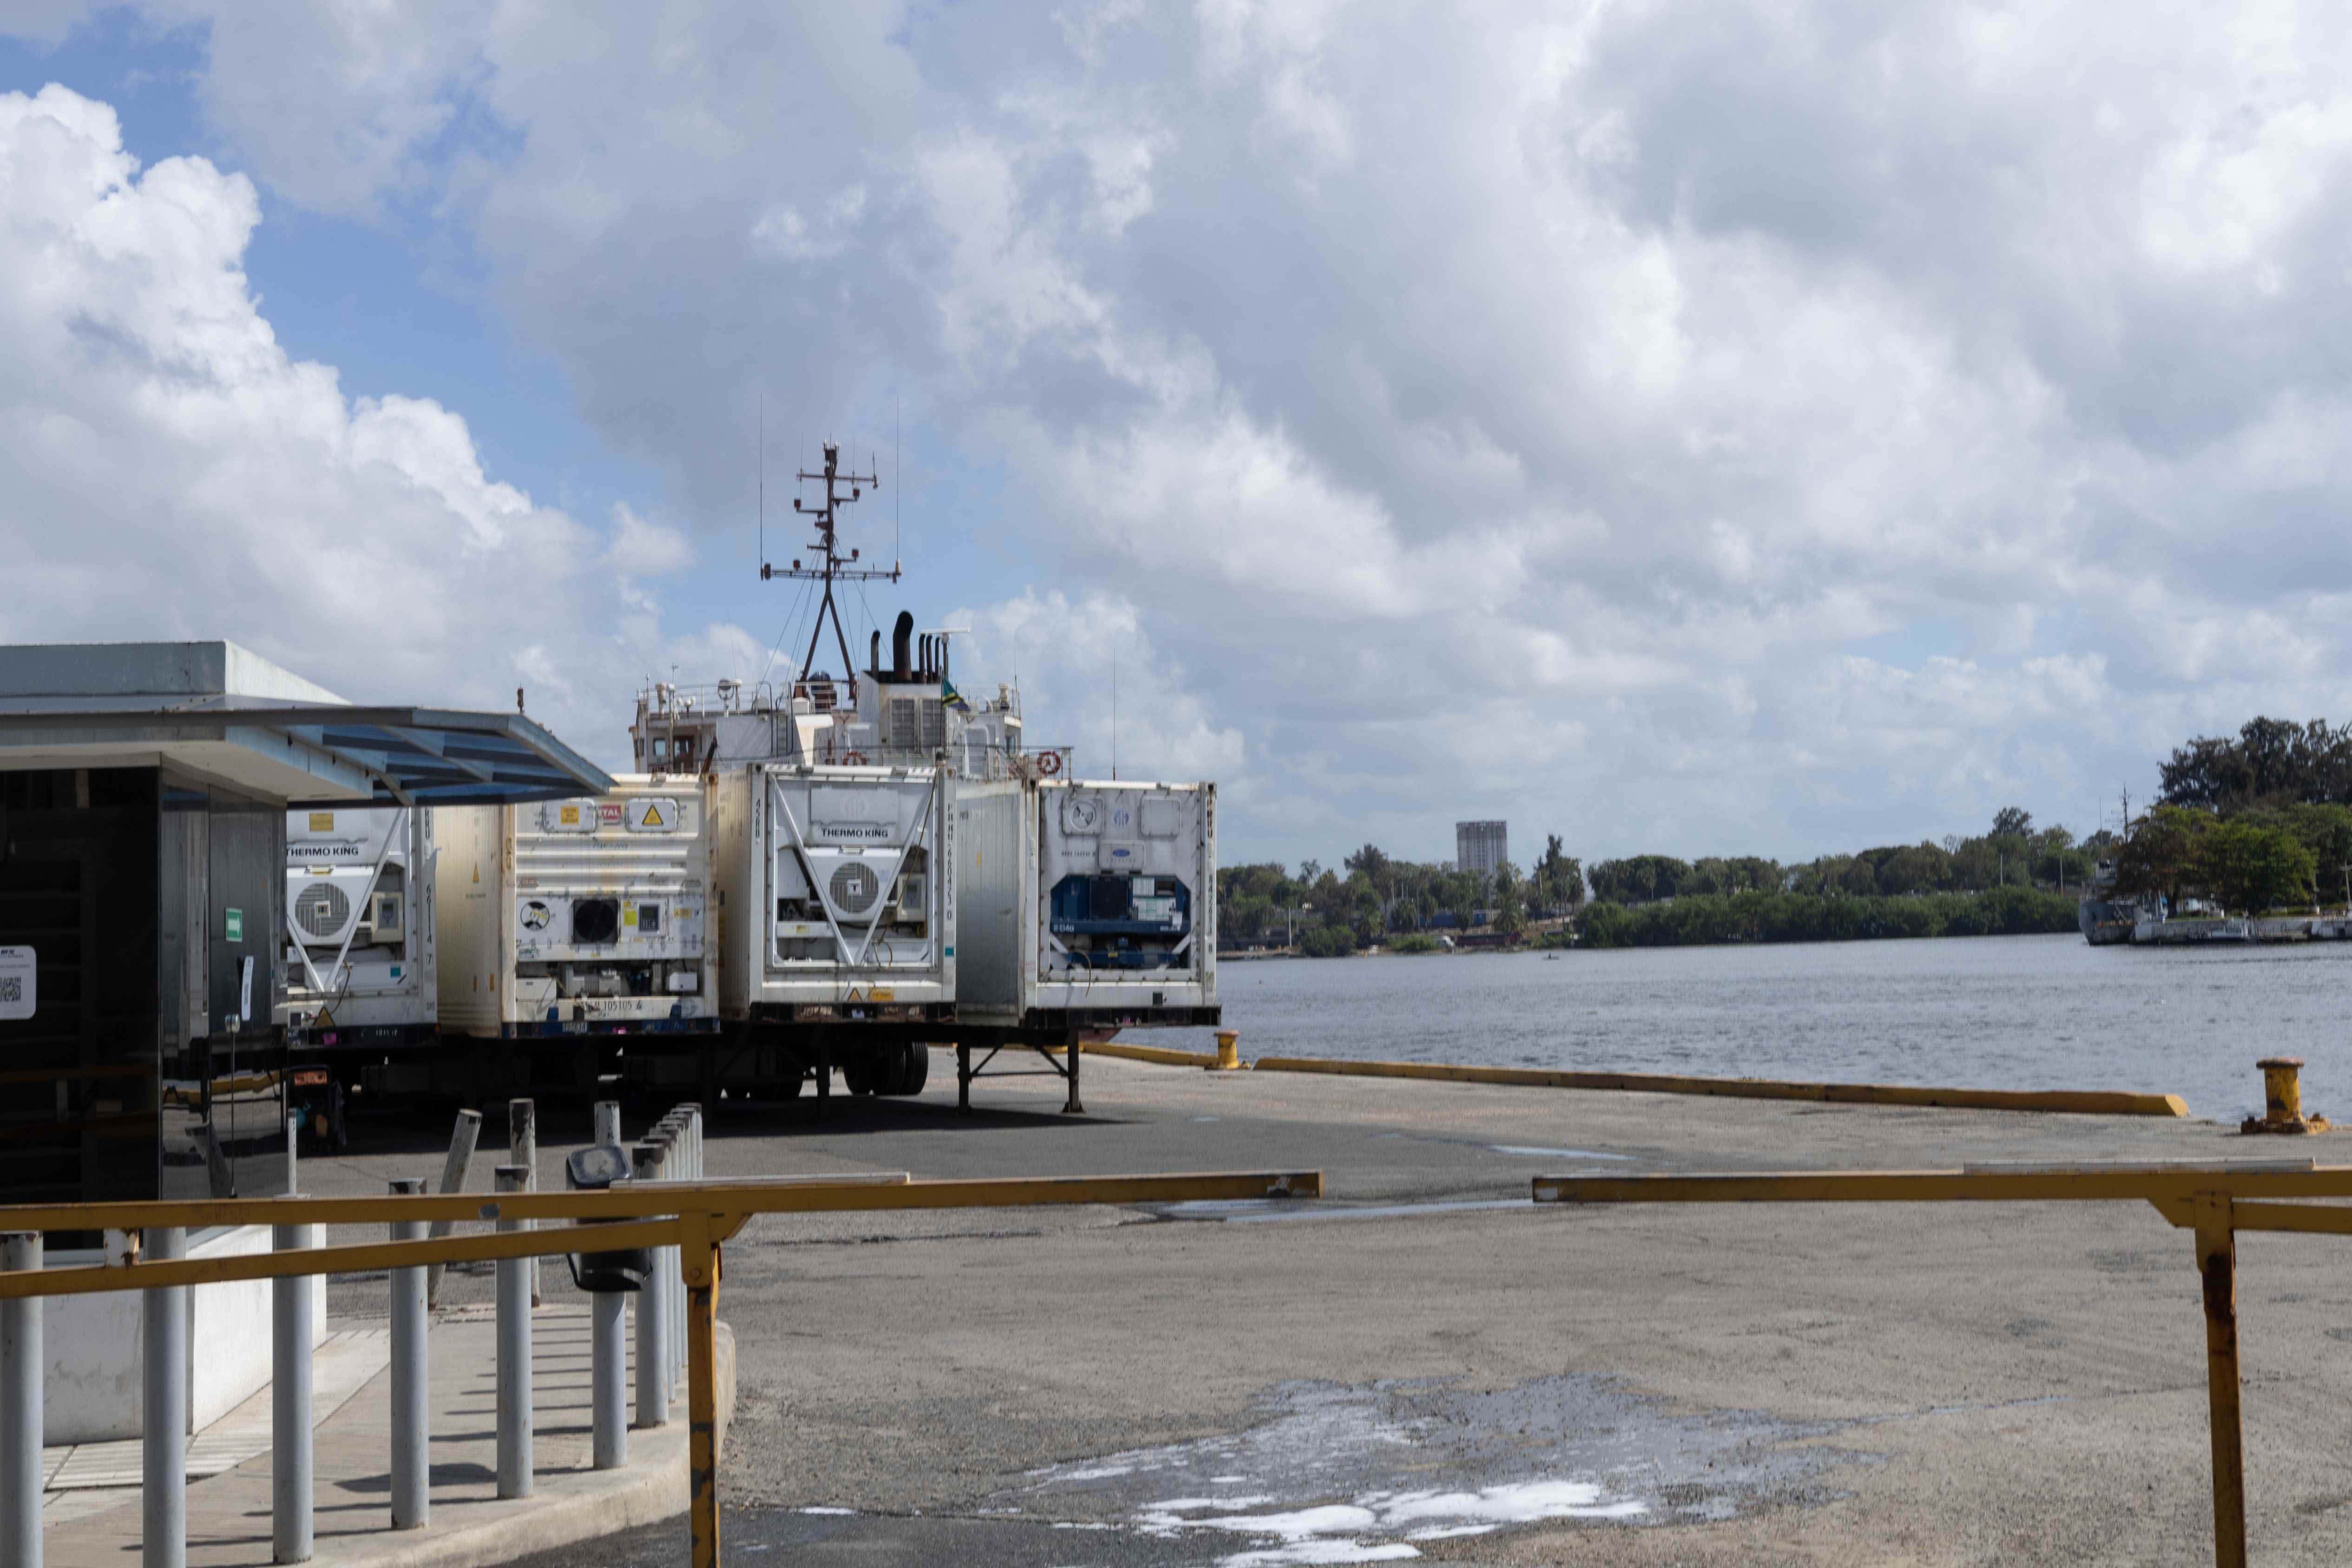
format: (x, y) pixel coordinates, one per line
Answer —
(320, 753)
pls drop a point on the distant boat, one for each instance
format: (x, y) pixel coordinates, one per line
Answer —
(2105, 919)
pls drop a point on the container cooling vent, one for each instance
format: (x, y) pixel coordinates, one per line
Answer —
(854, 889)
(320, 910)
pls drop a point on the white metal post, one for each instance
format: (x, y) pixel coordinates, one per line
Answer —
(412, 1487)
(514, 1354)
(522, 1149)
(653, 1385)
(163, 1410)
(291, 1538)
(462, 1140)
(608, 1346)
(20, 1409)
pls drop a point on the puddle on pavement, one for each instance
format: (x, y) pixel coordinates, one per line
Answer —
(1339, 1473)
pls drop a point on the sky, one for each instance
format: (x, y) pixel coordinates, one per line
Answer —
(1742, 427)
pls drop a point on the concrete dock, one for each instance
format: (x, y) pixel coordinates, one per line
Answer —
(1425, 1364)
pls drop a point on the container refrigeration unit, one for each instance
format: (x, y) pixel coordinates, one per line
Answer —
(1084, 908)
(837, 922)
(578, 918)
(359, 929)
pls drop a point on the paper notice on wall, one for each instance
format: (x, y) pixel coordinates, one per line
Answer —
(18, 993)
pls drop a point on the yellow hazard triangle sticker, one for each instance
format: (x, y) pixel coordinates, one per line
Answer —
(654, 818)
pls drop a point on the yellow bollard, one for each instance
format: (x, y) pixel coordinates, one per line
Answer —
(1229, 1051)
(2282, 1099)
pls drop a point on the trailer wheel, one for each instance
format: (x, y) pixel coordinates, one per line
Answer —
(905, 1075)
(861, 1076)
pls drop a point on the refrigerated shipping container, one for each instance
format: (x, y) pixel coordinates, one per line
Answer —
(578, 918)
(1085, 907)
(360, 937)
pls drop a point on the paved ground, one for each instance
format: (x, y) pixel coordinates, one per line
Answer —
(1263, 1385)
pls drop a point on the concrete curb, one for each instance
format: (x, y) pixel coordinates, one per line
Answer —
(565, 1508)
(2102, 1102)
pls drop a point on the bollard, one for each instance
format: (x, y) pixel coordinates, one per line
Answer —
(2282, 1100)
(673, 1168)
(652, 1389)
(522, 1149)
(1229, 1051)
(163, 1410)
(412, 1488)
(20, 1410)
(608, 1365)
(608, 1122)
(289, 1407)
(514, 1352)
(1070, 1058)
(462, 1139)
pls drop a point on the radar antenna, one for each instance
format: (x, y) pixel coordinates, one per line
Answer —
(829, 565)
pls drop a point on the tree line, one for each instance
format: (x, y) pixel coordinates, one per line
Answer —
(1381, 898)
(2256, 821)
(1928, 889)
(2261, 820)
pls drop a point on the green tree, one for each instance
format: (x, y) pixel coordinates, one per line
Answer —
(1560, 877)
(2160, 855)
(2252, 868)
(1510, 901)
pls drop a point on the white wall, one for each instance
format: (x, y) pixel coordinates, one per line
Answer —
(91, 1344)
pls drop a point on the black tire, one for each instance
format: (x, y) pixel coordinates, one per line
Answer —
(905, 1073)
(861, 1076)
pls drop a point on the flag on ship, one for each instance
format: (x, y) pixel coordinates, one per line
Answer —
(950, 699)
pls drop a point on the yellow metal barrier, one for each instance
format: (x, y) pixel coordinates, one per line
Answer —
(2215, 1201)
(696, 1217)
(2094, 1102)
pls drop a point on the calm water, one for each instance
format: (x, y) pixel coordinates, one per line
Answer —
(2007, 1012)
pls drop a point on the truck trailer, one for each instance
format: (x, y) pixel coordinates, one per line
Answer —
(836, 923)
(360, 937)
(1085, 907)
(578, 918)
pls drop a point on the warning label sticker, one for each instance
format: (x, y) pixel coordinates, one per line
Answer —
(654, 815)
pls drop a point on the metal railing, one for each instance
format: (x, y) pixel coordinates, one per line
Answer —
(667, 1207)
(2215, 1201)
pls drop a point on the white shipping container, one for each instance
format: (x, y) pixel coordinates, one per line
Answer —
(580, 916)
(359, 940)
(837, 893)
(1087, 906)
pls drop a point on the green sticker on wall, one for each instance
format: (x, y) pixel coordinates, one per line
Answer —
(235, 932)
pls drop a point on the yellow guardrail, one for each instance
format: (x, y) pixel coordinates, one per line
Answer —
(696, 1217)
(2092, 1101)
(2214, 1201)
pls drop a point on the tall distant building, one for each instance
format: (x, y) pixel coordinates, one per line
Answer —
(1481, 846)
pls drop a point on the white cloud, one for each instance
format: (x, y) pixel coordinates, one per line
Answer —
(1751, 425)
(1091, 680)
(167, 471)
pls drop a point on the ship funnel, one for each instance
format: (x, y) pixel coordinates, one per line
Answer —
(900, 634)
(874, 656)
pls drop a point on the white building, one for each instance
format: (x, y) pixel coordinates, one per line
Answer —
(1480, 847)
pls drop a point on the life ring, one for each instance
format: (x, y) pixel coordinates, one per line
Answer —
(853, 760)
(1049, 763)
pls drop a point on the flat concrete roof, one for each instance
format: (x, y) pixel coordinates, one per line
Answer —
(131, 670)
(225, 714)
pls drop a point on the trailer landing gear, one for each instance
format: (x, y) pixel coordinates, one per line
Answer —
(1072, 1053)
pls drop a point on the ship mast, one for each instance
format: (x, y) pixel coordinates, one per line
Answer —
(831, 566)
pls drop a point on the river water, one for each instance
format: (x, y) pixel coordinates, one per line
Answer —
(2001, 1012)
